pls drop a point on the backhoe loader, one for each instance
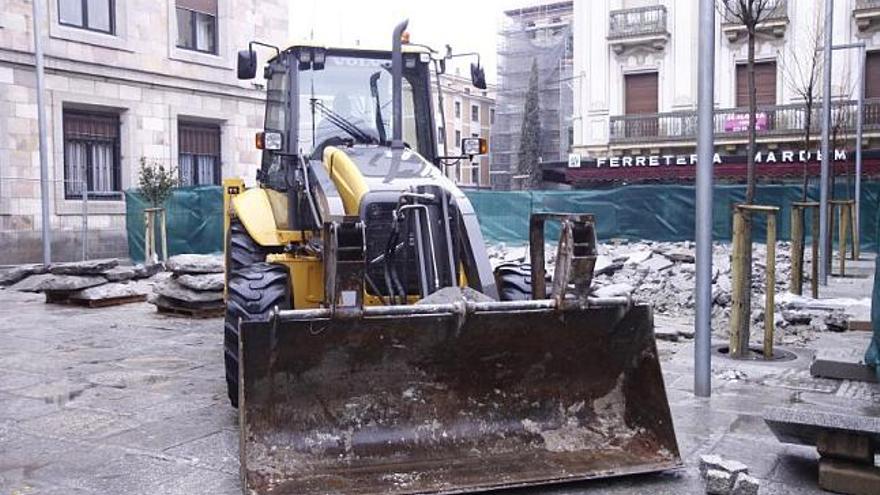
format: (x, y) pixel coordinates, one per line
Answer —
(369, 347)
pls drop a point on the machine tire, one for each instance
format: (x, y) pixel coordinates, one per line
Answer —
(252, 292)
(514, 282)
(242, 250)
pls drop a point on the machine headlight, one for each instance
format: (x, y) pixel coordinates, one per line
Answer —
(269, 141)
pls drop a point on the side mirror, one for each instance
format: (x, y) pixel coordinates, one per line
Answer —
(478, 76)
(247, 64)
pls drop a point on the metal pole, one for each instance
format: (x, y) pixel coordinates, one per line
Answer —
(860, 123)
(85, 217)
(824, 248)
(41, 122)
(705, 155)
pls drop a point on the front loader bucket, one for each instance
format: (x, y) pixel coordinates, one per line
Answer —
(443, 403)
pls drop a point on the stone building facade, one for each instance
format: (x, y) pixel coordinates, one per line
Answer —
(126, 81)
(470, 112)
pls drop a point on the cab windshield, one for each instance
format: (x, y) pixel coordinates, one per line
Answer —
(350, 100)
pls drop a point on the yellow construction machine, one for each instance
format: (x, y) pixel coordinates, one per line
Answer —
(369, 346)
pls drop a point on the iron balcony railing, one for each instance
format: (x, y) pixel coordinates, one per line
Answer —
(776, 120)
(642, 21)
(867, 4)
(777, 9)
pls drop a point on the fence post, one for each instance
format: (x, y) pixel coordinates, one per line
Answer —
(770, 291)
(738, 312)
(85, 218)
(797, 250)
(814, 271)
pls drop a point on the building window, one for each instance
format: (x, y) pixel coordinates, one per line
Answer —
(491, 116)
(467, 90)
(198, 156)
(91, 154)
(872, 75)
(765, 83)
(440, 134)
(641, 93)
(94, 15)
(475, 174)
(475, 113)
(197, 25)
(457, 139)
(458, 109)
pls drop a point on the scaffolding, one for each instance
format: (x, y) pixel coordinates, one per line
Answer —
(543, 35)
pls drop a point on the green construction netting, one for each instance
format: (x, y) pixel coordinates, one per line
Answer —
(872, 357)
(657, 212)
(194, 221)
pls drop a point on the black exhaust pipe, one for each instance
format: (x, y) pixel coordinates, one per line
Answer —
(397, 86)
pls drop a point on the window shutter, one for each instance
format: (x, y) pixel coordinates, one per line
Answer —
(765, 84)
(203, 6)
(641, 94)
(872, 75)
(199, 139)
(90, 125)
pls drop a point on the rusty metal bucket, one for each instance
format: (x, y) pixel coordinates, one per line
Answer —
(444, 401)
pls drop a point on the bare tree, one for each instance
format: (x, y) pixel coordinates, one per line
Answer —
(802, 71)
(750, 14)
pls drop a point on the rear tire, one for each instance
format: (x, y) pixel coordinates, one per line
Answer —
(253, 289)
(514, 282)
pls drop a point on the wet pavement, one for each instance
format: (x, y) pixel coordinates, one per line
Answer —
(124, 400)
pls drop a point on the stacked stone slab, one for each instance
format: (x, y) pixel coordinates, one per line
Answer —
(195, 286)
(81, 281)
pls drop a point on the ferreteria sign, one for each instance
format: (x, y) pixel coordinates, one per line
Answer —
(768, 157)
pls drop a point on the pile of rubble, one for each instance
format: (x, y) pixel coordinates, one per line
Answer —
(195, 287)
(664, 275)
(91, 282)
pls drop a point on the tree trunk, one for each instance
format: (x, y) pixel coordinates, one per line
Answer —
(753, 120)
(807, 137)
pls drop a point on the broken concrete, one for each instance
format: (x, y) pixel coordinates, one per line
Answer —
(147, 271)
(88, 267)
(206, 282)
(119, 273)
(108, 291)
(59, 283)
(15, 274)
(33, 283)
(195, 263)
(172, 289)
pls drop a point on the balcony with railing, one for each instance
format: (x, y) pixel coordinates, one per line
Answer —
(645, 26)
(733, 123)
(774, 19)
(867, 15)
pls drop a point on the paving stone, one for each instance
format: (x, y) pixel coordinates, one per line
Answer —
(206, 282)
(746, 485)
(217, 451)
(89, 267)
(63, 283)
(681, 256)
(656, 264)
(195, 263)
(119, 273)
(78, 424)
(718, 482)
